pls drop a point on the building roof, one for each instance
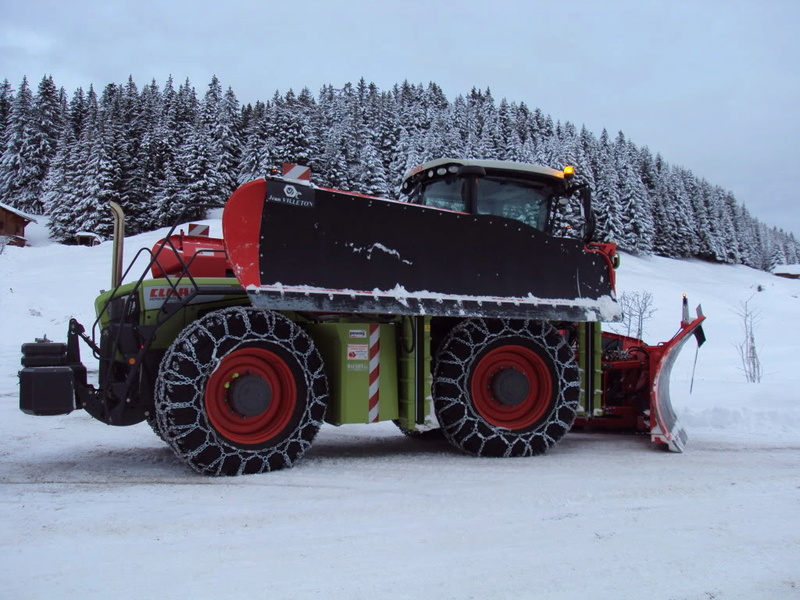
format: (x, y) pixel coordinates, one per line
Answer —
(19, 213)
(787, 269)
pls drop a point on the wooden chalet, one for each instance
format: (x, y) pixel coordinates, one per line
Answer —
(12, 225)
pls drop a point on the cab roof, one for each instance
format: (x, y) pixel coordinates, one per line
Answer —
(504, 165)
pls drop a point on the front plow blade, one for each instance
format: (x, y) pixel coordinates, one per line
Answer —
(664, 425)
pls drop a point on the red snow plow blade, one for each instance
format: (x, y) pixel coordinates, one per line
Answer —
(664, 425)
(635, 385)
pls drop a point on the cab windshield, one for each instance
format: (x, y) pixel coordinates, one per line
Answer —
(525, 201)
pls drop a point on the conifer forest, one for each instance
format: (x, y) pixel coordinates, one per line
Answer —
(165, 150)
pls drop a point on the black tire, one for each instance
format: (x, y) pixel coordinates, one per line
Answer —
(505, 388)
(241, 390)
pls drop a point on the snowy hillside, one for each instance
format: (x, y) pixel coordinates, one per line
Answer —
(91, 510)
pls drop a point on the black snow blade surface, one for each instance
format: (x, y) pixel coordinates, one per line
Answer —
(296, 247)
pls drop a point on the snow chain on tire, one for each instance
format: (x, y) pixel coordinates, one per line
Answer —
(460, 356)
(188, 367)
(152, 421)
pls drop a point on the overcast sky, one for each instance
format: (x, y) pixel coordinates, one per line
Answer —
(714, 86)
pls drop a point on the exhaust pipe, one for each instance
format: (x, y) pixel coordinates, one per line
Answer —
(119, 241)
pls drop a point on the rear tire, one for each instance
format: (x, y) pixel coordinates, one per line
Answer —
(241, 390)
(505, 388)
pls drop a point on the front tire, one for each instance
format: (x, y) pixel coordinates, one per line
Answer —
(505, 388)
(241, 390)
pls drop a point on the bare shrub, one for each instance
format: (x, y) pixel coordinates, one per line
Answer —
(637, 309)
(751, 363)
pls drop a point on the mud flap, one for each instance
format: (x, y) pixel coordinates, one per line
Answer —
(664, 425)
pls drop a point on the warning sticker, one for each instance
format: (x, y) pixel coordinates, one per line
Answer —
(357, 352)
(354, 366)
(357, 333)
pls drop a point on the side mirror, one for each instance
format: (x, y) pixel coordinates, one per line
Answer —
(588, 213)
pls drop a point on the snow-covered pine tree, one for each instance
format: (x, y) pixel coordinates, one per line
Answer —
(433, 127)
(370, 176)
(709, 246)
(162, 146)
(292, 129)
(489, 135)
(606, 194)
(334, 131)
(441, 139)
(257, 157)
(61, 186)
(197, 167)
(228, 136)
(186, 108)
(18, 177)
(483, 138)
(636, 211)
(725, 218)
(57, 194)
(585, 161)
(792, 250)
(103, 177)
(6, 100)
(387, 134)
(202, 185)
(509, 142)
(665, 234)
(777, 256)
(46, 120)
(686, 226)
(135, 124)
(457, 123)
(410, 107)
(548, 151)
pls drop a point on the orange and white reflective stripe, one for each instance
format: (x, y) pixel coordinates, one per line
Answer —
(198, 229)
(292, 171)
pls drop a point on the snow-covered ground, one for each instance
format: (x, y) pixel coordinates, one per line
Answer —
(91, 511)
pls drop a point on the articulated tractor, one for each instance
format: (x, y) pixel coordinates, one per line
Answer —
(466, 309)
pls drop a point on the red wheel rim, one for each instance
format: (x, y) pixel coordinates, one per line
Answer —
(530, 407)
(251, 430)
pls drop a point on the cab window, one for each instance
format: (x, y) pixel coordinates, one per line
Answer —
(520, 200)
(447, 194)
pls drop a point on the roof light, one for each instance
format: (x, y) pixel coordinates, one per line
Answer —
(441, 171)
(569, 172)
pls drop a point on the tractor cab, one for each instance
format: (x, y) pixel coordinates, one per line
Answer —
(531, 194)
